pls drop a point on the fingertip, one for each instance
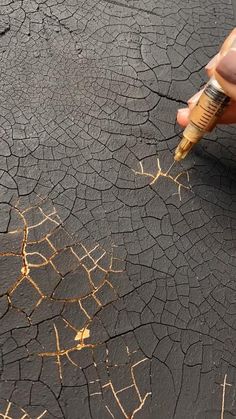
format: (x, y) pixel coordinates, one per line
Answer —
(210, 72)
(182, 117)
(212, 64)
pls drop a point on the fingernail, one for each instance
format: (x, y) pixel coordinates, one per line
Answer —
(227, 67)
(182, 114)
(211, 63)
(181, 111)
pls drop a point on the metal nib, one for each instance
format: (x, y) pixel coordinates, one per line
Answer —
(183, 149)
(178, 154)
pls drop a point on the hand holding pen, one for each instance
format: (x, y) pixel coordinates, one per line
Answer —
(216, 103)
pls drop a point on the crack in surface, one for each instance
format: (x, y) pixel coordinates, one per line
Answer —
(89, 92)
(167, 175)
(11, 409)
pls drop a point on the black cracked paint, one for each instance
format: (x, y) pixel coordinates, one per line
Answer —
(117, 291)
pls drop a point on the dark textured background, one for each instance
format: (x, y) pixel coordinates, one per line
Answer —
(88, 90)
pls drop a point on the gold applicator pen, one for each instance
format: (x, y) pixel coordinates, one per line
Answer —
(203, 117)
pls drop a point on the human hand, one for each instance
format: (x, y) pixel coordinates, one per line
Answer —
(223, 68)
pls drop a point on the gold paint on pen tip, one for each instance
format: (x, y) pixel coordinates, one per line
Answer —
(203, 117)
(183, 149)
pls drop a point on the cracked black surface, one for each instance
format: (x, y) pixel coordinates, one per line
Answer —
(117, 292)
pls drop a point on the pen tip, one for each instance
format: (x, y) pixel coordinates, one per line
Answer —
(178, 156)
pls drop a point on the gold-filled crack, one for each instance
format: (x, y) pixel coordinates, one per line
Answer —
(40, 249)
(80, 336)
(161, 174)
(115, 393)
(26, 272)
(223, 396)
(25, 415)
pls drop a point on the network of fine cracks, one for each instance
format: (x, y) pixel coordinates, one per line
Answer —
(86, 259)
(93, 260)
(115, 392)
(7, 412)
(166, 175)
